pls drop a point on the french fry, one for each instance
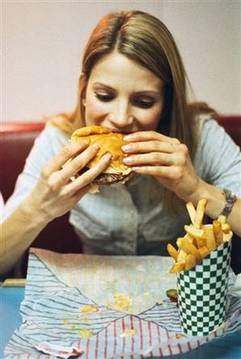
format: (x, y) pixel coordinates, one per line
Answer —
(178, 267)
(203, 251)
(217, 230)
(190, 261)
(200, 242)
(172, 251)
(189, 248)
(200, 213)
(226, 228)
(181, 257)
(222, 219)
(200, 239)
(227, 236)
(194, 232)
(210, 238)
(179, 241)
(188, 238)
(191, 211)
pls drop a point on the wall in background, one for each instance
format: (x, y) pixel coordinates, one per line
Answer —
(42, 43)
(208, 33)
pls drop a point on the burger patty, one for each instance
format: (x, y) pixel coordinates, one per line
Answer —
(110, 178)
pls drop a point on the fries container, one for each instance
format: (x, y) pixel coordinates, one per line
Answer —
(202, 293)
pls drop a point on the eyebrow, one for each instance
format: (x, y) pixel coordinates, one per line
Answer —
(142, 92)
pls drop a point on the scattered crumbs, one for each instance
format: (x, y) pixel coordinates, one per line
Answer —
(85, 333)
(84, 319)
(140, 268)
(58, 350)
(122, 302)
(159, 302)
(69, 325)
(89, 308)
(77, 352)
(222, 326)
(128, 333)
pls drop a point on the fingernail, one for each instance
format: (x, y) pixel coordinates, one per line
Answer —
(125, 148)
(96, 146)
(127, 137)
(107, 156)
(77, 145)
(127, 160)
(81, 142)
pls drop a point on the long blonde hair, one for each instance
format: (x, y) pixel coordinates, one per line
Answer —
(146, 40)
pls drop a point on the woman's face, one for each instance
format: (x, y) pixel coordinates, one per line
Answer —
(123, 96)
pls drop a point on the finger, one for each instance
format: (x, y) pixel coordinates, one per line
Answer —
(67, 152)
(80, 193)
(172, 173)
(87, 177)
(76, 164)
(58, 178)
(150, 146)
(153, 158)
(149, 135)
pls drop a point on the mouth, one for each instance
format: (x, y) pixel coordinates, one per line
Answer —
(119, 130)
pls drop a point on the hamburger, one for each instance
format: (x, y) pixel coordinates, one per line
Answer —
(108, 141)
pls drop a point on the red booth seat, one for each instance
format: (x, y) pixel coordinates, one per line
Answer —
(16, 140)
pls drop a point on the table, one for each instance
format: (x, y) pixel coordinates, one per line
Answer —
(10, 299)
(10, 319)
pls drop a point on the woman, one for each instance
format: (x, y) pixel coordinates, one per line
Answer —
(132, 81)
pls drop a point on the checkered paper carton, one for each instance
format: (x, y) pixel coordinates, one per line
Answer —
(202, 293)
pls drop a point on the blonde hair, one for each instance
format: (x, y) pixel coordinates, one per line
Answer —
(146, 40)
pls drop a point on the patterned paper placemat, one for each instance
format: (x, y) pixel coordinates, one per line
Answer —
(103, 307)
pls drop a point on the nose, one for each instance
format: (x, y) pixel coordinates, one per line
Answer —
(121, 116)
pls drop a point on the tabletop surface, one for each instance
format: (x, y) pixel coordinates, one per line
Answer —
(10, 299)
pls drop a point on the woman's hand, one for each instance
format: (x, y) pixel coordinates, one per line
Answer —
(163, 157)
(57, 191)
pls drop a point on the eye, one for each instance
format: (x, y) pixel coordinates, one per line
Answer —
(143, 102)
(103, 96)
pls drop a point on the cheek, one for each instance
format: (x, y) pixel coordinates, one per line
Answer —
(94, 112)
(149, 120)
